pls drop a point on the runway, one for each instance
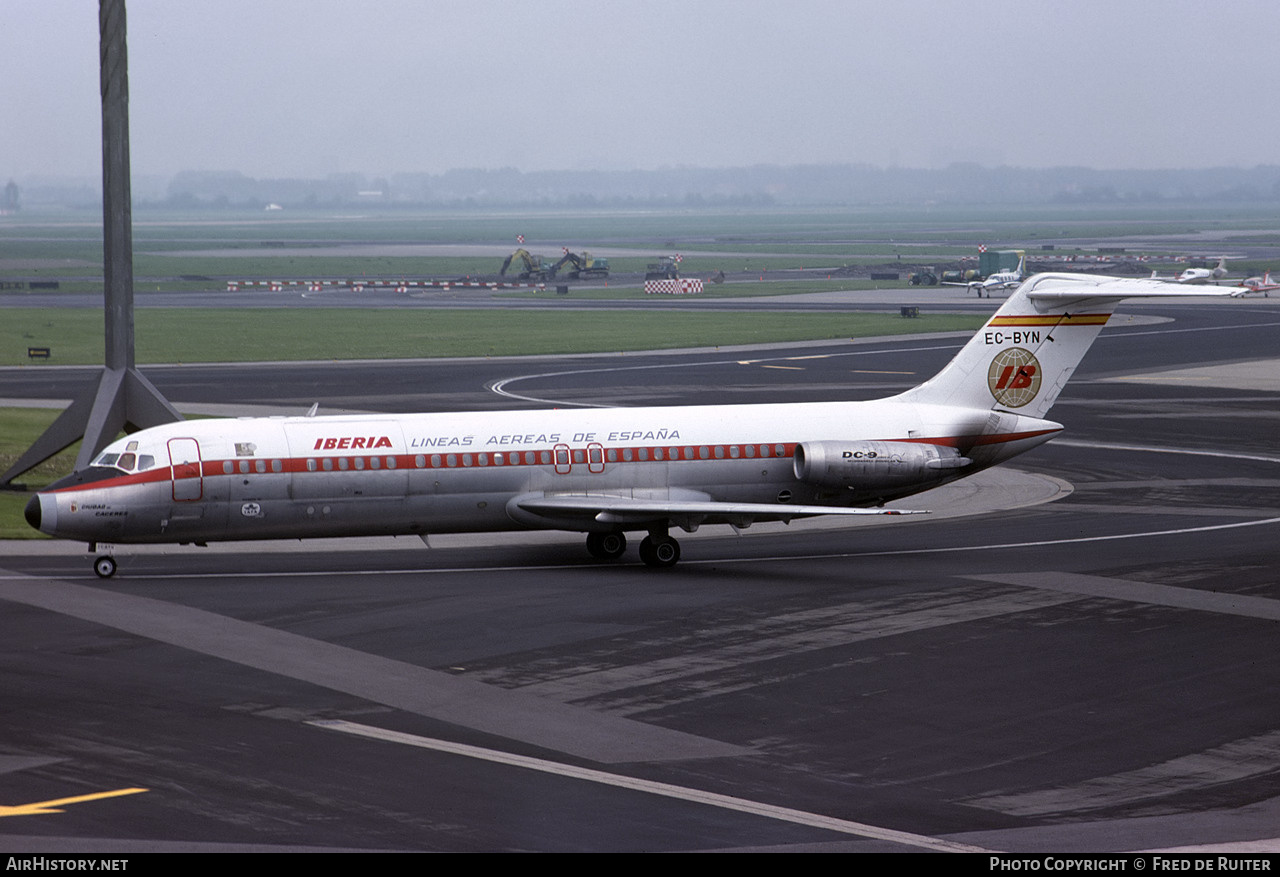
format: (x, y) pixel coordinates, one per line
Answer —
(1086, 664)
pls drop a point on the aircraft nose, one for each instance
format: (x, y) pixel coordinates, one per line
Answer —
(32, 511)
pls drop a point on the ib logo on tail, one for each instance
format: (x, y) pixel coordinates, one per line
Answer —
(1014, 377)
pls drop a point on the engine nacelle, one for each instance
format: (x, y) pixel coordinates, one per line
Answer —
(875, 466)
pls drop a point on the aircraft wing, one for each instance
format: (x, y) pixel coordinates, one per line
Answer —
(686, 514)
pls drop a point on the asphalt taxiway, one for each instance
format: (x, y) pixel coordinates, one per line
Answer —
(1092, 670)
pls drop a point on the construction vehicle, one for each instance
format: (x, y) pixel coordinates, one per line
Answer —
(583, 266)
(923, 277)
(664, 269)
(962, 277)
(535, 267)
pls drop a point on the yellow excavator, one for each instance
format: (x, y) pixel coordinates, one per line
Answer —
(584, 266)
(535, 267)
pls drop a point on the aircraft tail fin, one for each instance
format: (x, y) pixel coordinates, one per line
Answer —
(1025, 354)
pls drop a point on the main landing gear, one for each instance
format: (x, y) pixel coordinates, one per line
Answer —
(606, 546)
(104, 566)
(657, 550)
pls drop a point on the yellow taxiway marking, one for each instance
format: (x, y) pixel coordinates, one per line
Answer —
(790, 368)
(52, 806)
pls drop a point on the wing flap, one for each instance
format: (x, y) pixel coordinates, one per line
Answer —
(687, 514)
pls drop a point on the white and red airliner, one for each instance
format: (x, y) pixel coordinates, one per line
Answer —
(603, 472)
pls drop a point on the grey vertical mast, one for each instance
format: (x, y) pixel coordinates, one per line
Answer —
(123, 399)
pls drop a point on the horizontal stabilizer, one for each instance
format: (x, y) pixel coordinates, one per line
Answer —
(1058, 290)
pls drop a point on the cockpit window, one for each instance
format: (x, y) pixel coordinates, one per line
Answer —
(127, 462)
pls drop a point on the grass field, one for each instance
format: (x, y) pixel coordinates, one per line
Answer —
(222, 335)
(19, 427)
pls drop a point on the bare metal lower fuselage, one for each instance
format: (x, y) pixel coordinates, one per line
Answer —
(218, 480)
(600, 471)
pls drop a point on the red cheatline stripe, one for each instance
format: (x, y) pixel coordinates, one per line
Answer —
(471, 459)
(993, 439)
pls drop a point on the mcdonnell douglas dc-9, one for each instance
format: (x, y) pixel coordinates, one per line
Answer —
(603, 472)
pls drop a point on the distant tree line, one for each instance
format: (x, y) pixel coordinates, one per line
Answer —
(755, 186)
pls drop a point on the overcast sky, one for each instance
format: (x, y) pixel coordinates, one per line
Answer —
(289, 88)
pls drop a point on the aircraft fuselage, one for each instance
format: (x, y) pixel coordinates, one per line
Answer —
(256, 478)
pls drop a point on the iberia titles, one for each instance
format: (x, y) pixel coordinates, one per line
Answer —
(352, 442)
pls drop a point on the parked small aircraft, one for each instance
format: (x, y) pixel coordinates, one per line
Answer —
(998, 280)
(1263, 284)
(1198, 276)
(604, 471)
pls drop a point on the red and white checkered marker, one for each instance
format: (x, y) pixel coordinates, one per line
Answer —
(982, 248)
(679, 258)
(520, 239)
(566, 250)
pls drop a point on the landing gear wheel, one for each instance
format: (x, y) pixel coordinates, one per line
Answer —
(606, 546)
(660, 553)
(105, 566)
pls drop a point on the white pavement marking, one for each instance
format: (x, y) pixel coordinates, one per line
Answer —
(999, 546)
(500, 386)
(573, 730)
(668, 790)
(1151, 449)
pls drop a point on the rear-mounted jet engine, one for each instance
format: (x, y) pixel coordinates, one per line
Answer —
(876, 469)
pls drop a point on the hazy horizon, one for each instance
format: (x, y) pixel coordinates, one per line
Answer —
(294, 89)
